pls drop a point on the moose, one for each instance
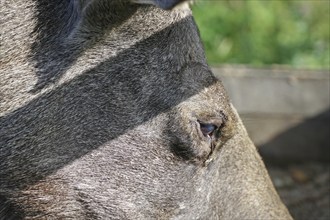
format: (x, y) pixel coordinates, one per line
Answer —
(110, 111)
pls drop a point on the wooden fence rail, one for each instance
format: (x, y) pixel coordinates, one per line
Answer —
(286, 111)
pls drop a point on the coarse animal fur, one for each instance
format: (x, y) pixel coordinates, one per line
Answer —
(102, 107)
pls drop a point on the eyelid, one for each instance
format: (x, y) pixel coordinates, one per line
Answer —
(217, 122)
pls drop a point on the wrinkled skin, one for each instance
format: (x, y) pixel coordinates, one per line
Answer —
(109, 111)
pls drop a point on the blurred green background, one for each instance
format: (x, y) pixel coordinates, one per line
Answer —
(265, 32)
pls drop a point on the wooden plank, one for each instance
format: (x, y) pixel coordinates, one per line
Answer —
(285, 111)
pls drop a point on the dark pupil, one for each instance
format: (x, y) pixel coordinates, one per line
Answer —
(207, 129)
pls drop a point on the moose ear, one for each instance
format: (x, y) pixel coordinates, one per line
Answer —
(163, 4)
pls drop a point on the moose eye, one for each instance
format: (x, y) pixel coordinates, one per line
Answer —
(207, 129)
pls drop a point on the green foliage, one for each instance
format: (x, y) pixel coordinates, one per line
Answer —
(264, 32)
